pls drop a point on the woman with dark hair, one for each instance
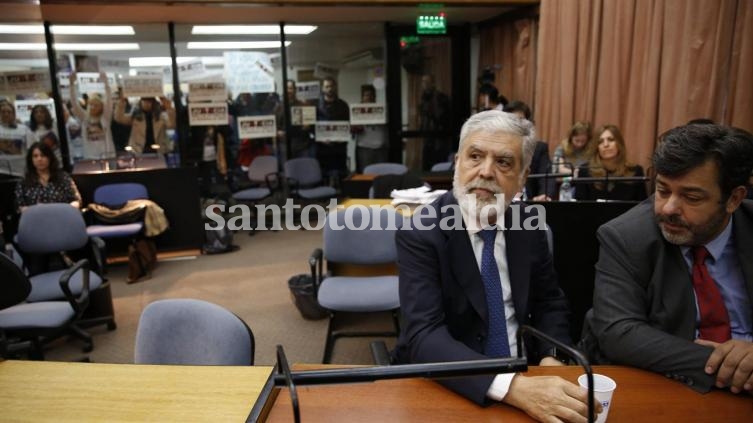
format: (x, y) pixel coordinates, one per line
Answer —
(42, 125)
(14, 139)
(610, 160)
(149, 122)
(44, 181)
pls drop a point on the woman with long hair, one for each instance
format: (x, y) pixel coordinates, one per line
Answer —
(44, 181)
(42, 125)
(149, 122)
(610, 160)
(575, 150)
(95, 121)
(15, 138)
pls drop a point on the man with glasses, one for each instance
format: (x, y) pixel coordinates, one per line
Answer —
(674, 282)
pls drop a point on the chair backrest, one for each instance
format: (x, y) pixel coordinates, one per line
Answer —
(192, 332)
(305, 170)
(369, 245)
(384, 184)
(50, 228)
(261, 167)
(14, 286)
(385, 169)
(119, 194)
(442, 167)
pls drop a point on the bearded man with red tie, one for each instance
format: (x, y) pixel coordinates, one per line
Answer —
(674, 282)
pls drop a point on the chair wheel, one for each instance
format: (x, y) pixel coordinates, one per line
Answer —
(111, 326)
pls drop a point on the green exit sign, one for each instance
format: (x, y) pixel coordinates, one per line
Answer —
(431, 24)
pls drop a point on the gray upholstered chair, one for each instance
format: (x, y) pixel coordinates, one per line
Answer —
(304, 176)
(442, 167)
(192, 332)
(385, 169)
(370, 251)
(26, 327)
(263, 173)
(50, 229)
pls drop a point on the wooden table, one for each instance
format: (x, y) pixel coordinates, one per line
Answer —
(641, 397)
(33, 391)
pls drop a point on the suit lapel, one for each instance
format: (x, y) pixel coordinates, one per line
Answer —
(679, 281)
(465, 270)
(744, 247)
(516, 244)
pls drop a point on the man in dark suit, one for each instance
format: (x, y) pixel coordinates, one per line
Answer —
(466, 285)
(674, 281)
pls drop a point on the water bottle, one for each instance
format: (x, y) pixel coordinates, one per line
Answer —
(567, 191)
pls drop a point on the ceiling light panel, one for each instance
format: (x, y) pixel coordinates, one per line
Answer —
(251, 29)
(231, 45)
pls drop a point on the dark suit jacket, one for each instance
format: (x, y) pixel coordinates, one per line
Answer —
(541, 164)
(644, 305)
(622, 191)
(443, 303)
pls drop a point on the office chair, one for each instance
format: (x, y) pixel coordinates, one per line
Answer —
(47, 229)
(26, 326)
(192, 332)
(370, 249)
(263, 170)
(442, 167)
(385, 169)
(304, 178)
(115, 196)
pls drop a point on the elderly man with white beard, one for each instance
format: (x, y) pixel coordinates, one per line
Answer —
(465, 290)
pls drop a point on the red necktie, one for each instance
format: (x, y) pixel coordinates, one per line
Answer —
(714, 318)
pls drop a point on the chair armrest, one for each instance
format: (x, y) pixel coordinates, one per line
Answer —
(273, 180)
(293, 184)
(79, 304)
(98, 249)
(315, 263)
(379, 353)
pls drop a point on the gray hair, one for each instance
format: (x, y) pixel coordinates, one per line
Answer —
(494, 121)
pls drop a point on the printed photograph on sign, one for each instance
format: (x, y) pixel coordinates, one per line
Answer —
(307, 91)
(257, 127)
(193, 69)
(89, 82)
(333, 131)
(368, 114)
(27, 82)
(207, 90)
(302, 115)
(142, 86)
(249, 72)
(202, 114)
(23, 108)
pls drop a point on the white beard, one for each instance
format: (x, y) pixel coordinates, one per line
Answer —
(481, 210)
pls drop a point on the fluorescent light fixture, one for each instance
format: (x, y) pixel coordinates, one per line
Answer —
(69, 29)
(251, 29)
(23, 46)
(162, 61)
(96, 46)
(231, 45)
(93, 29)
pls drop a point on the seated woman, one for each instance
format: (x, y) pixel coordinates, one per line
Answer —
(44, 181)
(610, 161)
(575, 150)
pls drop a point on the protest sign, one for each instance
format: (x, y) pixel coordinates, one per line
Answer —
(302, 115)
(368, 114)
(142, 86)
(202, 114)
(333, 131)
(257, 127)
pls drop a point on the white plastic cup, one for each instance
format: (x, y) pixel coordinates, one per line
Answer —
(603, 389)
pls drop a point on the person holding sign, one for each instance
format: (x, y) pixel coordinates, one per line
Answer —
(14, 139)
(332, 156)
(372, 139)
(149, 122)
(95, 121)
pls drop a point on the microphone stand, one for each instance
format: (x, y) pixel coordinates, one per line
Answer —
(571, 352)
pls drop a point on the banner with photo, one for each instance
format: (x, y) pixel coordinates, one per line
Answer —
(203, 114)
(23, 108)
(143, 86)
(322, 71)
(264, 126)
(302, 115)
(190, 70)
(333, 131)
(27, 82)
(249, 72)
(207, 90)
(307, 91)
(114, 65)
(88, 82)
(368, 114)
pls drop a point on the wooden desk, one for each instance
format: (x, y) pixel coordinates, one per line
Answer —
(641, 397)
(78, 392)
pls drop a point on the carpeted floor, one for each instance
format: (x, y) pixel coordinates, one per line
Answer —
(250, 282)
